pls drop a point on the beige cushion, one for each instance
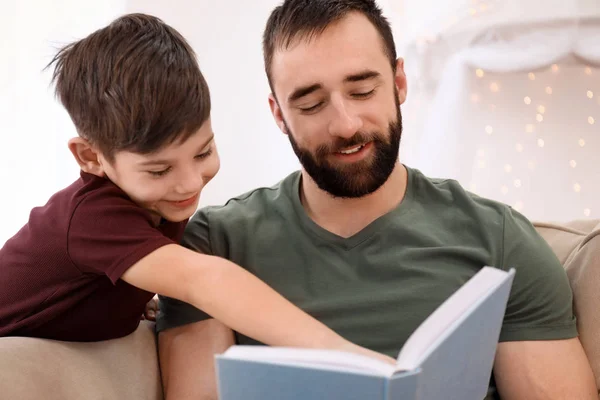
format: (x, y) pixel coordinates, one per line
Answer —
(577, 245)
(125, 368)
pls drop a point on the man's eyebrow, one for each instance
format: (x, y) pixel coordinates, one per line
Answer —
(362, 76)
(167, 162)
(303, 91)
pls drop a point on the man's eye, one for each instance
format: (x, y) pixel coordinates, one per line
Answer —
(363, 95)
(310, 109)
(159, 173)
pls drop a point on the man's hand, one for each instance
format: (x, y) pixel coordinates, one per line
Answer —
(151, 309)
(187, 359)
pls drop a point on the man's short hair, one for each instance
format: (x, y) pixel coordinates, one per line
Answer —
(133, 85)
(304, 19)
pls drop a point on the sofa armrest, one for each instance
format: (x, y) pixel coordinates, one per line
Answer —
(124, 368)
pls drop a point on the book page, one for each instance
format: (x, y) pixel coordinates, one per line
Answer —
(435, 326)
(313, 358)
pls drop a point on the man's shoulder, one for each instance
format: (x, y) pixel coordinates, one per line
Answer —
(447, 192)
(254, 204)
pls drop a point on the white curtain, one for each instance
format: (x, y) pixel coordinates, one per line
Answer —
(488, 98)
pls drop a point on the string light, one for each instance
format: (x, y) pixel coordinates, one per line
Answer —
(541, 142)
(541, 109)
(518, 183)
(554, 68)
(519, 147)
(479, 73)
(588, 71)
(548, 90)
(573, 163)
(494, 87)
(591, 120)
(531, 76)
(504, 190)
(539, 117)
(587, 212)
(489, 130)
(590, 94)
(529, 128)
(527, 100)
(577, 188)
(581, 142)
(508, 168)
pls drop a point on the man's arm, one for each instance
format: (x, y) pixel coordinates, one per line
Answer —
(187, 359)
(548, 370)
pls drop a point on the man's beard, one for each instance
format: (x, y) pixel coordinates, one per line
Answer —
(357, 179)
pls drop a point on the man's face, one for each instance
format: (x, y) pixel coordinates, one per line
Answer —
(169, 181)
(338, 101)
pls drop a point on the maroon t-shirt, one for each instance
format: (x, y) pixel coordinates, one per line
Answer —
(59, 275)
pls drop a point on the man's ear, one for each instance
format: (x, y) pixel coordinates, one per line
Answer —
(400, 81)
(86, 156)
(277, 114)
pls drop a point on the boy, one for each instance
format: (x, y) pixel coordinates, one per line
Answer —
(86, 263)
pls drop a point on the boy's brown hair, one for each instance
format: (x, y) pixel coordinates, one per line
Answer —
(133, 85)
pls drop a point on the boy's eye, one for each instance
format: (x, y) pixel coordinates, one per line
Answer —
(204, 155)
(160, 173)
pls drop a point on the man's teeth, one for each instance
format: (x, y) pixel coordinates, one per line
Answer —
(352, 150)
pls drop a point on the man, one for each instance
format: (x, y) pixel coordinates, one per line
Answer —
(365, 244)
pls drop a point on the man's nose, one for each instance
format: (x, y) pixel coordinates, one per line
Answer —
(345, 121)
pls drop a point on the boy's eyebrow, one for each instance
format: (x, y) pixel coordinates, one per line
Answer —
(168, 162)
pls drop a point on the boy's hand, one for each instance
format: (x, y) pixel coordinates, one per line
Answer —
(151, 310)
(353, 348)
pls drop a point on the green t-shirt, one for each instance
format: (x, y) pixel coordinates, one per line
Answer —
(376, 287)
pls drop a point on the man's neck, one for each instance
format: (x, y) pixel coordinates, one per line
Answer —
(346, 217)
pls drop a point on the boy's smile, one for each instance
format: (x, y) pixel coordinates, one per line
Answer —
(169, 181)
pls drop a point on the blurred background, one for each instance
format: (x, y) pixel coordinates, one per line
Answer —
(504, 96)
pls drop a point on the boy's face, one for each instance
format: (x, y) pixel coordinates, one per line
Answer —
(338, 101)
(169, 181)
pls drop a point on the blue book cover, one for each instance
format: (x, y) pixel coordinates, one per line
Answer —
(449, 356)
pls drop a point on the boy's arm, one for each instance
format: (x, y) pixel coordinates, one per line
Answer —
(235, 297)
(187, 359)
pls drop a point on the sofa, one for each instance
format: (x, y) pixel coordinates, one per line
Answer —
(127, 368)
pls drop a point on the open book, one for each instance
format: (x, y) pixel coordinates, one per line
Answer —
(449, 356)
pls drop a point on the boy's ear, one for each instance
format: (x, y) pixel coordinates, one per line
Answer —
(86, 156)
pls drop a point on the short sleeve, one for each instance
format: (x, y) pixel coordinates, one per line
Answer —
(540, 306)
(172, 312)
(108, 233)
